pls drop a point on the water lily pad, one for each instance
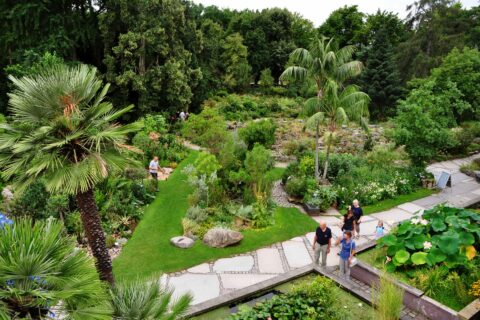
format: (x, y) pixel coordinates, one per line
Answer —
(419, 258)
(401, 257)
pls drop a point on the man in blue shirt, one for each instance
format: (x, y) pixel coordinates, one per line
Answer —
(358, 213)
(322, 242)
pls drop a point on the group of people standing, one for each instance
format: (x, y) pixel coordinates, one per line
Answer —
(322, 241)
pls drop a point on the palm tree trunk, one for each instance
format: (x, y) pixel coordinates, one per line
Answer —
(94, 231)
(327, 158)
(317, 174)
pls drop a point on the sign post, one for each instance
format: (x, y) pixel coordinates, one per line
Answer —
(445, 180)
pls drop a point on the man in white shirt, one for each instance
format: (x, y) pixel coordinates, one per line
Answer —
(153, 168)
(183, 116)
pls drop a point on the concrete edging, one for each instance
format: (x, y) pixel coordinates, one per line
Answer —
(414, 298)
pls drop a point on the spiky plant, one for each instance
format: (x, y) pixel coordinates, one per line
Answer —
(321, 63)
(65, 133)
(41, 271)
(146, 300)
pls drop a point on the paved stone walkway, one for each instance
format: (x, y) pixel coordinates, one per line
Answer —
(213, 279)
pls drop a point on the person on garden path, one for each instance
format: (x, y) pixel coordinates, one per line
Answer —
(347, 252)
(153, 168)
(349, 221)
(322, 242)
(358, 213)
(183, 116)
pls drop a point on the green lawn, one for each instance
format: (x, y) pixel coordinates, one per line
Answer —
(149, 251)
(391, 203)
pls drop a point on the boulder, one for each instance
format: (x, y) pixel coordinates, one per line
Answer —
(220, 237)
(182, 242)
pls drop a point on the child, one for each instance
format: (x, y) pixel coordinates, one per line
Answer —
(379, 230)
(349, 221)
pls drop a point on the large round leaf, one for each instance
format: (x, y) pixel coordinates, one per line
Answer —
(419, 240)
(401, 257)
(438, 224)
(403, 228)
(388, 240)
(449, 244)
(466, 238)
(392, 250)
(419, 258)
(436, 255)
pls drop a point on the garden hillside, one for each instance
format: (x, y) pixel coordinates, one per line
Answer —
(149, 251)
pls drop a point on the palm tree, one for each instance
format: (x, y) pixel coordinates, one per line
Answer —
(41, 271)
(321, 63)
(337, 106)
(65, 133)
(146, 300)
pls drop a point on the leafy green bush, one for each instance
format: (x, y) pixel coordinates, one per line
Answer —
(32, 202)
(207, 129)
(442, 235)
(322, 197)
(261, 132)
(310, 300)
(296, 187)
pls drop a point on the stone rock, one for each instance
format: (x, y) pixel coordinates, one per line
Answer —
(220, 238)
(7, 194)
(122, 241)
(182, 242)
(477, 176)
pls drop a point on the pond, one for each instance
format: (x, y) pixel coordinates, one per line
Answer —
(447, 286)
(356, 308)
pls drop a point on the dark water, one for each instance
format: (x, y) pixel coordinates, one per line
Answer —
(251, 301)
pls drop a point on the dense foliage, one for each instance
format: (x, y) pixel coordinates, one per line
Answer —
(440, 236)
(312, 300)
(353, 177)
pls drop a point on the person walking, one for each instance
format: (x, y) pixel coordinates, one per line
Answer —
(349, 221)
(153, 168)
(358, 213)
(322, 242)
(347, 252)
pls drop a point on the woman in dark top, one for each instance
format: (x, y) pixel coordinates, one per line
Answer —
(349, 221)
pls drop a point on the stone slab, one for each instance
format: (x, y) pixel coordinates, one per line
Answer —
(201, 268)
(477, 192)
(429, 201)
(269, 261)
(393, 216)
(203, 287)
(412, 208)
(297, 239)
(239, 281)
(329, 220)
(296, 253)
(240, 263)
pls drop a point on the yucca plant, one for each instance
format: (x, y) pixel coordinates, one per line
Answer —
(322, 63)
(42, 272)
(146, 300)
(64, 132)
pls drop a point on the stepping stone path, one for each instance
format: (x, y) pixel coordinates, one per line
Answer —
(213, 279)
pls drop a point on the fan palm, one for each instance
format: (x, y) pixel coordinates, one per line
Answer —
(321, 63)
(146, 300)
(65, 133)
(41, 271)
(337, 107)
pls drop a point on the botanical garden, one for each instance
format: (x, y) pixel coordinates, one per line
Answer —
(165, 159)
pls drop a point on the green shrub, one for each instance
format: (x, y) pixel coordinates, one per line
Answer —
(322, 197)
(207, 129)
(262, 132)
(32, 202)
(197, 214)
(310, 300)
(296, 187)
(110, 241)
